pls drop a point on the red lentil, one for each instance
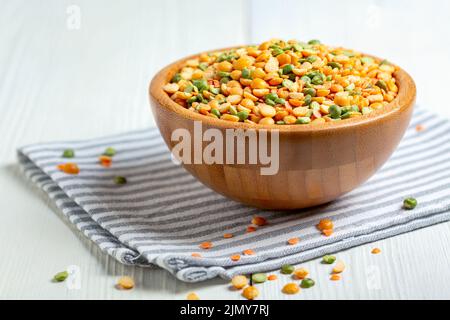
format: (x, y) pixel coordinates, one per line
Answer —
(105, 161)
(235, 257)
(248, 252)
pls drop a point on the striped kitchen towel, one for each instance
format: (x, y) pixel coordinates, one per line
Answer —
(162, 214)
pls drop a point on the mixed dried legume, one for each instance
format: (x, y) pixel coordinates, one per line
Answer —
(284, 82)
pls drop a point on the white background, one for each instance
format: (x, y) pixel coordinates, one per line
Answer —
(69, 76)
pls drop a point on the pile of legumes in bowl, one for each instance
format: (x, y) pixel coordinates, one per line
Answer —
(284, 83)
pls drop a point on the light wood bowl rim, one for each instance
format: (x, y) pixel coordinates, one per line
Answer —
(404, 100)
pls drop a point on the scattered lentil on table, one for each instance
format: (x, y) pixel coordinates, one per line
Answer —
(284, 82)
(248, 252)
(335, 277)
(105, 161)
(235, 257)
(272, 277)
(326, 226)
(259, 221)
(69, 168)
(301, 273)
(206, 245)
(250, 293)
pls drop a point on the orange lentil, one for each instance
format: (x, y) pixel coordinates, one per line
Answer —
(272, 277)
(293, 241)
(69, 168)
(301, 273)
(325, 224)
(251, 229)
(327, 232)
(376, 250)
(235, 257)
(259, 221)
(196, 255)
(206, 245)
(228, 235)
(291, 288)
(105, 161)
(248, 252)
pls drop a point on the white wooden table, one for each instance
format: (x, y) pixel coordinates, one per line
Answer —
(80, 69)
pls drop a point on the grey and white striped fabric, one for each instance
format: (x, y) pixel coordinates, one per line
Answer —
(162, 214)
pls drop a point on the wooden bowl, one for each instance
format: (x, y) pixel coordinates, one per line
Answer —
(317, 163)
